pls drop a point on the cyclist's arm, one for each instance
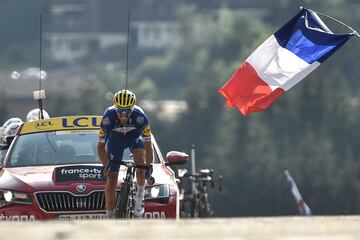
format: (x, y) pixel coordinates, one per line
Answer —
(101, 152)
(146, 133)
(149, 152)
(101, 147)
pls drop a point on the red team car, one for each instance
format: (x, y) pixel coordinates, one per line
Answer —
(51, 171)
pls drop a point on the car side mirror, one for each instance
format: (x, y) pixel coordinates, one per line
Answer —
(176, 158)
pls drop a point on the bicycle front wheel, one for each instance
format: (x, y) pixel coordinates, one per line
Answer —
(122, 202)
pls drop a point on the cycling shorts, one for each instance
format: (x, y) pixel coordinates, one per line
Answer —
(114, 158)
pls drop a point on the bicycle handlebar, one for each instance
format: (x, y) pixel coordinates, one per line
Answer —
(149, 178)
(206, 176)
(133, 164)
(200, 178)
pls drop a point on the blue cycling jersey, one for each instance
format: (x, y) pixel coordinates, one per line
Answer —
(118, 136)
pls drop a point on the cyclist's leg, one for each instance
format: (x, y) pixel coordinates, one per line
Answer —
(114, 150)
(110, 188)
(139, 158)
(138, 151)
(110, 193)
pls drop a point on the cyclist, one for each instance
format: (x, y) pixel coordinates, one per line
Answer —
(9, 130)
(7, 123)
(124, 125)
(7, 136)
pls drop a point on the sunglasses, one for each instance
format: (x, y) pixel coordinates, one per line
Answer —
(126, 111)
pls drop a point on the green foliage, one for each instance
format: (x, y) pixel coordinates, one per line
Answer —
(160, 73)
(312, 129)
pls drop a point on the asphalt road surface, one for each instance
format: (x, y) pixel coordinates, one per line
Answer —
(259, 228)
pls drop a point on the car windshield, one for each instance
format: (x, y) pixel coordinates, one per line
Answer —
(53, 148)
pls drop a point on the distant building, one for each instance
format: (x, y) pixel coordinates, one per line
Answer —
(81, 27)
(168, 110)
(77, 30)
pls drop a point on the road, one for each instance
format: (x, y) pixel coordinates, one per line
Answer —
(259, 228)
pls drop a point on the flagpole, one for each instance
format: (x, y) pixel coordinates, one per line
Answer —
(354, 32)
(127, 52)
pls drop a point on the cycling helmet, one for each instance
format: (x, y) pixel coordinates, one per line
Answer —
(10, 121)
(11, 131)
(34, 115)
(124, 99)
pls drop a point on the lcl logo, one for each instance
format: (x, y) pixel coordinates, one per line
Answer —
(80, 122)
(43, 125)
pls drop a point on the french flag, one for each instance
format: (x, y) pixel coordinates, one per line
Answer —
(280, 62)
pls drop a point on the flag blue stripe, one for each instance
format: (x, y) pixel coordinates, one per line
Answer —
(312, 41)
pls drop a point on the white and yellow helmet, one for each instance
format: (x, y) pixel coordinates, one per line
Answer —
(9, 122)
(34, 115)
(11, 131)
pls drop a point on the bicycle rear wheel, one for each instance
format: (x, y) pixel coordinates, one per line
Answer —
(205, 210)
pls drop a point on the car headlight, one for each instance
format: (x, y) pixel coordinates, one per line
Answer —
(8, 196)
(158, 191)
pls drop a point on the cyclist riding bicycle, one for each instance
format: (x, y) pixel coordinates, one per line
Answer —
(124, 125)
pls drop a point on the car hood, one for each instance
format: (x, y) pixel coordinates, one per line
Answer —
(42, 178)
(45, 178)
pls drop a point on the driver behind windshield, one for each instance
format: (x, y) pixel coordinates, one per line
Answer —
(45, 155)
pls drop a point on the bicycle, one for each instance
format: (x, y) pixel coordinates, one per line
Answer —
(195, 198)
(125, 201)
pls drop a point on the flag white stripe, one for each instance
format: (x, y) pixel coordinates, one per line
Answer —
(295, 192)
(279, 67)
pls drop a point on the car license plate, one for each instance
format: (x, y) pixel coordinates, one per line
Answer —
(81, 216)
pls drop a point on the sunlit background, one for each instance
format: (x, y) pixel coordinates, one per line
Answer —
(180, 53)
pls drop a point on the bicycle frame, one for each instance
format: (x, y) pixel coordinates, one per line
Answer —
(196, 203)
(202, 206)
(125, 201)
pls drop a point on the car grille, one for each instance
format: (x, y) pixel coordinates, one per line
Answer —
(67, 202)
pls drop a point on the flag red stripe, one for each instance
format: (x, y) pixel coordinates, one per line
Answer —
(247, 91)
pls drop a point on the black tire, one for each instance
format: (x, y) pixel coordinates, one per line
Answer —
(187, 208)
(122, 202)
(205, 212)
(205, 208)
